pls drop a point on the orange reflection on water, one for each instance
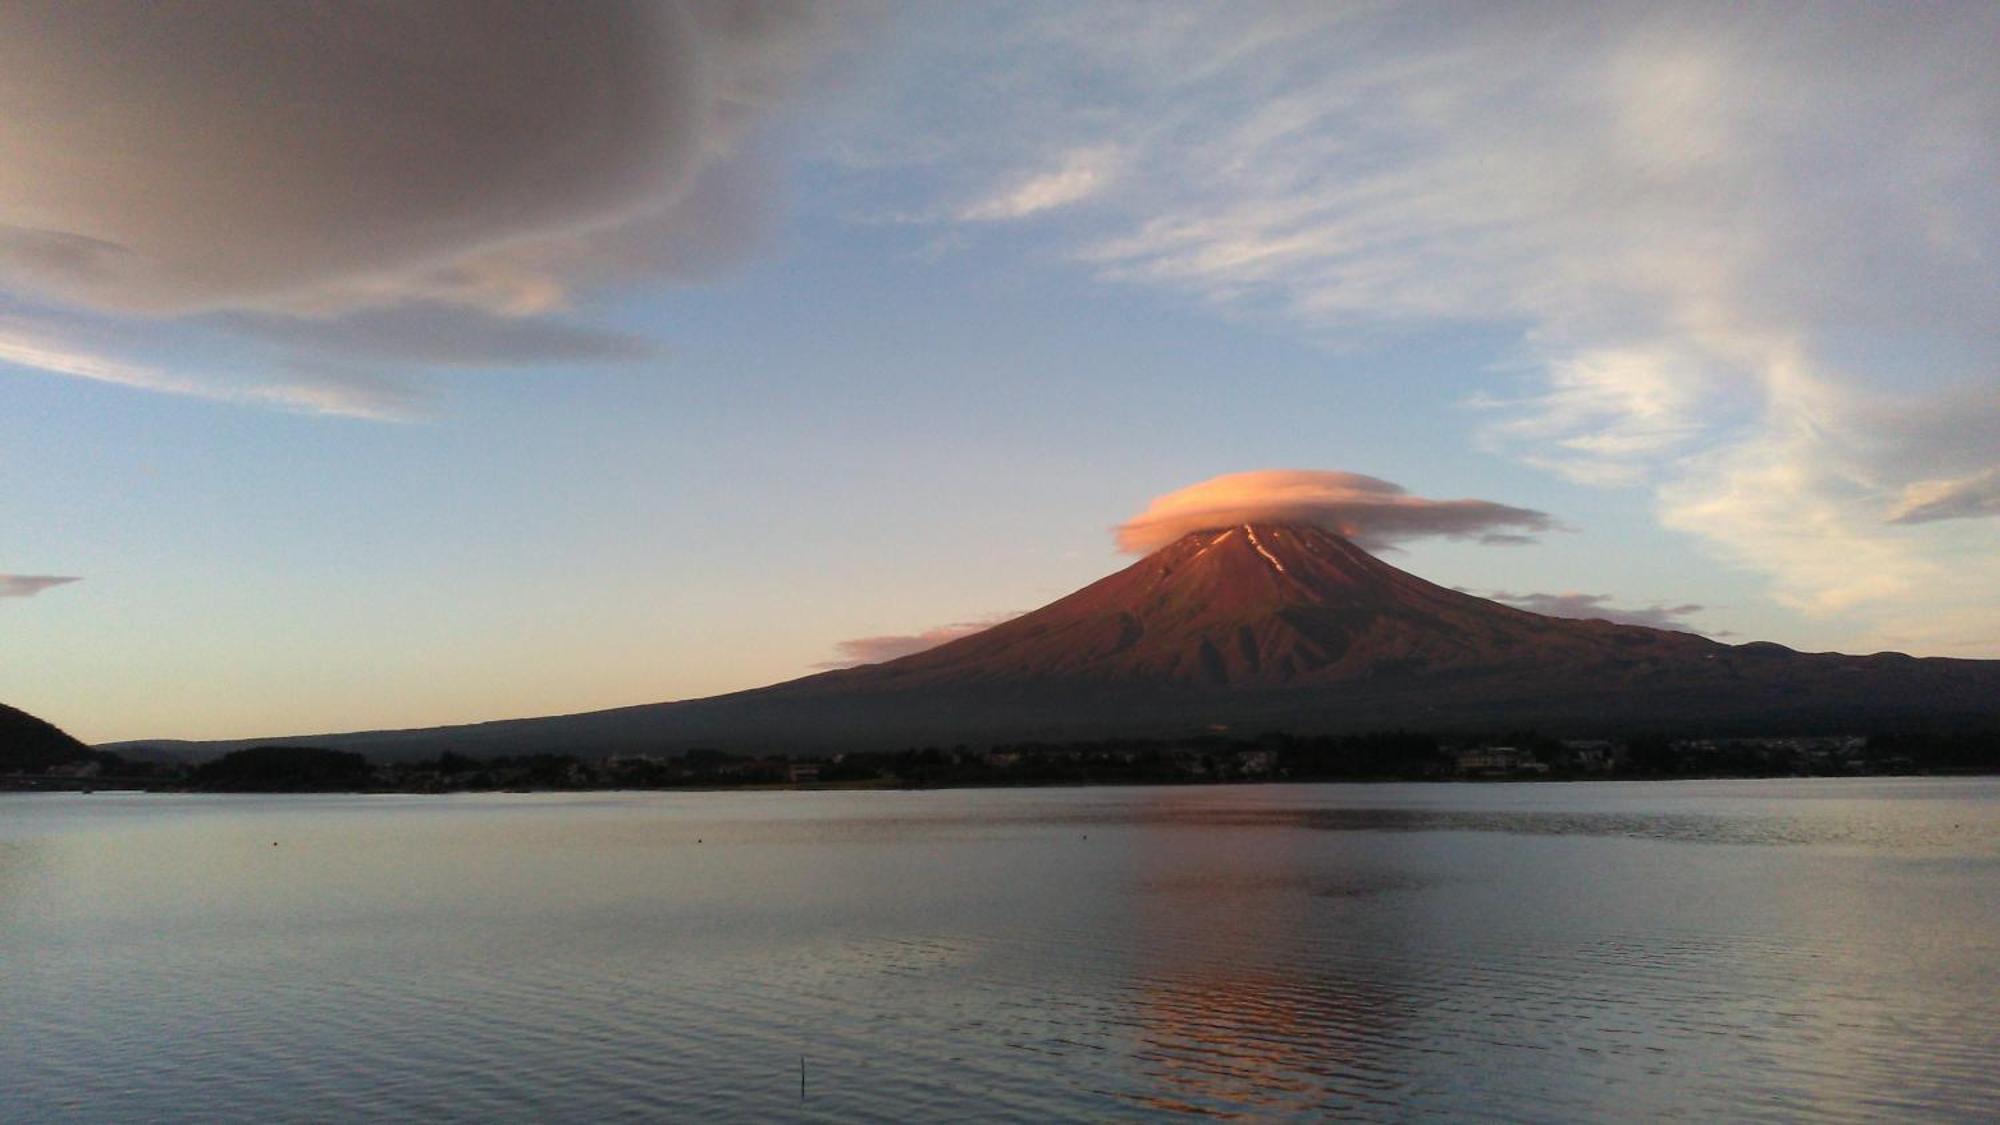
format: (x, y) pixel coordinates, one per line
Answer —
(1239, 1002)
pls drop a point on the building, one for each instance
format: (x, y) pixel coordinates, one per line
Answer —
(1498, 761)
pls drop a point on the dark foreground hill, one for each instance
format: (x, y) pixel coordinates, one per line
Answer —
(30, 744)
(1261, 627)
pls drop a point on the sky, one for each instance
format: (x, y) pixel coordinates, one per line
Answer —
(395, 365)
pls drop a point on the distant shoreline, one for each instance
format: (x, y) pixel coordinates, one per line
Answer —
(1204, 759)
(118, 786)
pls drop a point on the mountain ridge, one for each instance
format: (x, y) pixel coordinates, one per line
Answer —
(1267, 626)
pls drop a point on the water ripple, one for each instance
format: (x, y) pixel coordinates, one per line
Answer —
(1244, 954)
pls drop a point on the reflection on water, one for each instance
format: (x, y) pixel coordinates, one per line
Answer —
(1714, 950)
(1265, 1027)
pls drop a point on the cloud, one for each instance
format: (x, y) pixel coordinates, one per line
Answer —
(441, 335)
(874, 650)
(280, 153)
(1598, 606)
(1605, 416)
(315, 387)
(22, 345)
(1972, 497)
(1082, 174)
(1747, 250)
(368, 187)
(28, 585)
(36, 346)
(1374, 513)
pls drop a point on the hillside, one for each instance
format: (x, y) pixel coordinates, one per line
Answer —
(30, 744)
(1262, 627)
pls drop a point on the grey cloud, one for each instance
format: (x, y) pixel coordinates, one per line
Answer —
(28, 585)
(710, 226)
(874, 650)
(1599, 606)
(56, 254)
(1941, 435)
(440, 335)
(282, 153)
(1973, 497)
(364, 188)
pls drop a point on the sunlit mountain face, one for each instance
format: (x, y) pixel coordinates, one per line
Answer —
(1273, 606)
(1267, 626)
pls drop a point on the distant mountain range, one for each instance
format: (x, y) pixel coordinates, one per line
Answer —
(1250, 628)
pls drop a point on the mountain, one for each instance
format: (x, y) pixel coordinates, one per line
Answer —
(29, 744)
(1259, 627)
(1256, 609)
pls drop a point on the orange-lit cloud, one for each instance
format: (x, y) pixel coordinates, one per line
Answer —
(874, 650)
(1372, 512)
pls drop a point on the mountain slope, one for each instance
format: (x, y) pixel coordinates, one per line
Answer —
(1265, 607)
(28, 743)
(1263, 627)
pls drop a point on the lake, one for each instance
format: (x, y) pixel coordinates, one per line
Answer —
(1824, 949)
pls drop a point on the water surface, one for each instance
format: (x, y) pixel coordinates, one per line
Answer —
(1744, 950)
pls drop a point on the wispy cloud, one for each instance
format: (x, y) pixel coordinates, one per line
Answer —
(24, 347)
(1082, 174)
(28, 585)
(1740, 243)
(441, 336)
(1605, 417)
(1972, 497)
(24, 344)
(1373, 512)
(874, 650)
